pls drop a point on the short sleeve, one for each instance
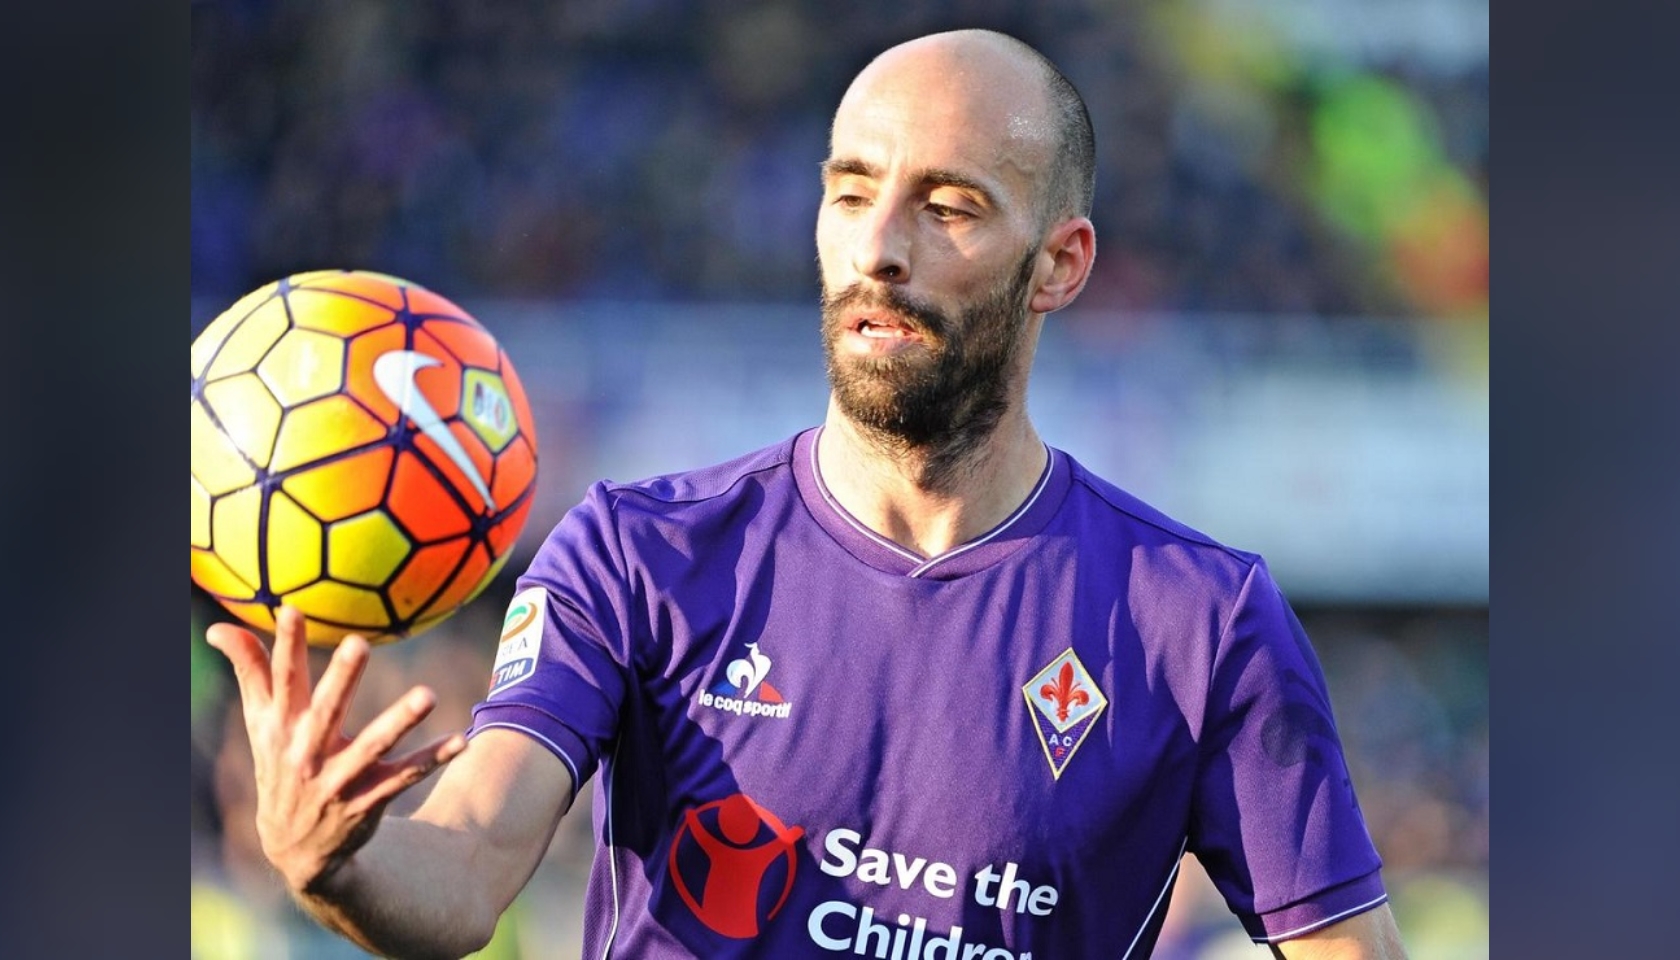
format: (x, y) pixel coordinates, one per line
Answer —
(562, 660)
(1275, 821)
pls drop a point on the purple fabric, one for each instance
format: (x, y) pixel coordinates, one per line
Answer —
(811, 741)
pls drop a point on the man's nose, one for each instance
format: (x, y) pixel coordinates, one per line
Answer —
(882, 250)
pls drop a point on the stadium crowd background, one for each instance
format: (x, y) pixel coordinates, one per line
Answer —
(1288, 193)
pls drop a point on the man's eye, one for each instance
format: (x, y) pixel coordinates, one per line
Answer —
(943, 212)
(850, 201)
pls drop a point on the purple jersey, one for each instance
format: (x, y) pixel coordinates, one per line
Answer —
(813, 741)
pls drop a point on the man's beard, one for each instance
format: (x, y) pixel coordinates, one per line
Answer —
(943, 403)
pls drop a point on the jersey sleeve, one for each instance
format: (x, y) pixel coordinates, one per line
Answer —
(1275, 821)
(562, 662)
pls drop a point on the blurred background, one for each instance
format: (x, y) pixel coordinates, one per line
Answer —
(1284, 342)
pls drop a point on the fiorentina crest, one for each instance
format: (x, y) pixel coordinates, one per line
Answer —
(1064, 702)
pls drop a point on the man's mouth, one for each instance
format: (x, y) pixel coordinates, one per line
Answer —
(883, 328)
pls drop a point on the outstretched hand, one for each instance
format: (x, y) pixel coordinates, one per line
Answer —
(320, 793)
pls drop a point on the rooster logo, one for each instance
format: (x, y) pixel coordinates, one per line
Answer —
(748, 672)
(744, 689)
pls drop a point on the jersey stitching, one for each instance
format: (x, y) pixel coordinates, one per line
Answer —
(924, 564)
(612, 853)
(624, 627)
(839, 511)
(783, 459)
(1010, 521)
(1159, 898)
(553, 747)
(1201, 539)
(1298, 931)
(1213, 663)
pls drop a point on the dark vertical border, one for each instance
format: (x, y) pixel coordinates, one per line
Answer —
(93, 202)
(1586, 502)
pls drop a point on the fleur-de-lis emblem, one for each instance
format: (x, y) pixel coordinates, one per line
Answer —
(1065, 692)
(1064, 701)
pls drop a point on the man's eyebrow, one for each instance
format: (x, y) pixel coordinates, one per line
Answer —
(848, 167)
(961, 181)
(933, 176)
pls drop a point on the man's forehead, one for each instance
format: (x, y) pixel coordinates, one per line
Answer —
(943, 119)
(969, 83)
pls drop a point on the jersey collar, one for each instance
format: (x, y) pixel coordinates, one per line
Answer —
(877, 551)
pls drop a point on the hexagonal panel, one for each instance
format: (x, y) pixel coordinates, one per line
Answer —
(331, 312)
(217, 464)
(304, 365)
(234, 523)
(428, 569)
(248, 414)
(312, 277)
(516, 470)
(367, 284)
(464, 463)
(365, 350)
(360, 608)
(486, 408)
(256, 614)
(425, 303)
(322, 428)
(505, 534)
(421, 503)
(210, 338)
(200, 517)
(247, 344)
(473, 576)
(366, 549)
(437, 376)
(521, 403)
(343, 488)
(210, 573)
(294, 545)
(466, 340)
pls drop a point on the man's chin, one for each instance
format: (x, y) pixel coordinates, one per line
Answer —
(888, 373)
(875, 406)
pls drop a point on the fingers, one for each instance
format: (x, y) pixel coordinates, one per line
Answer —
(378, 785)
(291, 663)
(331, 700)
(307, 727)
(382, 734)
(249, 659)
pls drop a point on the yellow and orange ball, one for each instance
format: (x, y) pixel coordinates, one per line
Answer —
(362, 449)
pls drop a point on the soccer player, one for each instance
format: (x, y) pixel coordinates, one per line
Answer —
(909, 685)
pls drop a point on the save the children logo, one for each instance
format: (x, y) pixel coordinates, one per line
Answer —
(745, 691)
(732, 863)
(1064, 702)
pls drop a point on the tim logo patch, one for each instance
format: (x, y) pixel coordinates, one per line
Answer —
(516, 654)
(1064, 702)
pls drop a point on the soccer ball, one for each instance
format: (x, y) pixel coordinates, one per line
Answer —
(362, 449)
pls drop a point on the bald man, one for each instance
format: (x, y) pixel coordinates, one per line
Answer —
(909, 685)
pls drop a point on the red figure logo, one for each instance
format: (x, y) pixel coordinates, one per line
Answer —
(1065, 692)
(740, 841)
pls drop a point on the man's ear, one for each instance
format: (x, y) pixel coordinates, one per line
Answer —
(1072, 247)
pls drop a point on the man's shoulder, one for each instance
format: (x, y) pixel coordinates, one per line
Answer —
(720, 481)
(1107, 502)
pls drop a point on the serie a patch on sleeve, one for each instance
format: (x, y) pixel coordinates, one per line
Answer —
(516, 653)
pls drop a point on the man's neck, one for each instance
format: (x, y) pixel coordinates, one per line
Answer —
(888, 489)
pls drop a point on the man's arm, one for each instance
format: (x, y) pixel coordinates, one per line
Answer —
(435, 884)
(1371, 935)
(432, 884)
